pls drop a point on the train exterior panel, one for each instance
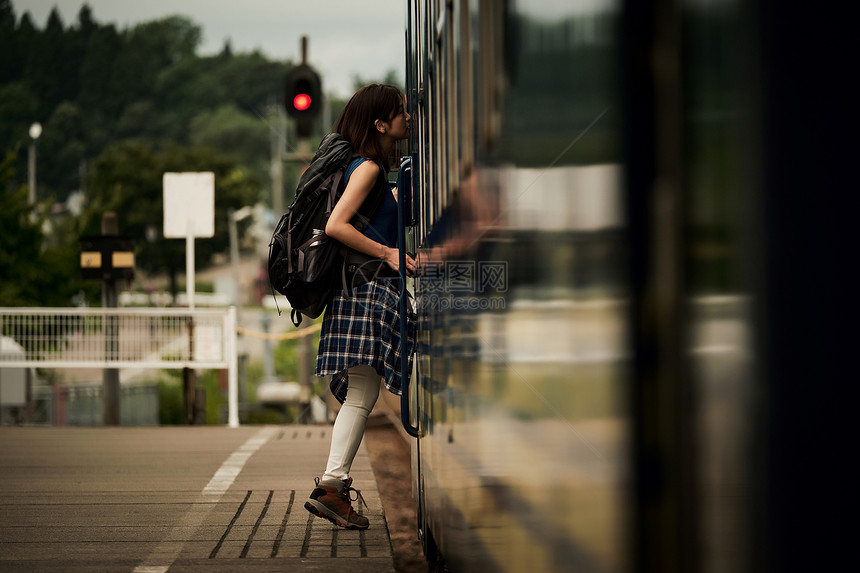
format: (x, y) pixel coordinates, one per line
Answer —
(591, 184)
(523, 342)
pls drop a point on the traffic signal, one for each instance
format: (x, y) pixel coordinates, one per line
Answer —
(303, 97)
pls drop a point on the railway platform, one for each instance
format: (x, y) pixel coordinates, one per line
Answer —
(178, 499)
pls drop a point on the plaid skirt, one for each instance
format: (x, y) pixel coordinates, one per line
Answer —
(364, 328)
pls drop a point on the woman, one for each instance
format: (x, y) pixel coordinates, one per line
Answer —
(360, 339)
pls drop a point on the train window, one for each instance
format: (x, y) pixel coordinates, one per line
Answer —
(489, 38)
(452, 80)
(437, 167)
(465, 144)
(545, 64)
(430, 110)
(441, 114)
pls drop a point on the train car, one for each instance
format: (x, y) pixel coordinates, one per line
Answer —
(605, 380)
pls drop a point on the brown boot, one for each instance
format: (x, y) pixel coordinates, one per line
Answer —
(330, 499)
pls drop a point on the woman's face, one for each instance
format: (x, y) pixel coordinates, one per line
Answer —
(398, 126)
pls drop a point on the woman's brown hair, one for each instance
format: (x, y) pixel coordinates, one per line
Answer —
(356, 122)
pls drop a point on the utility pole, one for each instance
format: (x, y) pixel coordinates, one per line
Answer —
(278, 148)
(110, 377)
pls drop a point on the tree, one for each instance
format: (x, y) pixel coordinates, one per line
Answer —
(34, 271)
(251, 81)
(183, 90)
(8, 50)
(64, 145)
(147, 50)
(92, 85)
(18, 108)
(235, 134)
(87, 26)
(26, 36)
(47, 64)
(127, 179)
(103, 45)
(122, 105)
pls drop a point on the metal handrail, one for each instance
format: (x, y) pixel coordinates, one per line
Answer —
(404, 323)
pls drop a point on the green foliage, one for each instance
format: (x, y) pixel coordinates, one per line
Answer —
(216, 399)
(171, 403)
(236, 134)
(119, 107)
(199, 286)
(92, 86)
(8, 49)
(286, 356)
(35, 269)
(170, 408)
(286, 360)
(17, 108)
(253, 376)
(128, 179)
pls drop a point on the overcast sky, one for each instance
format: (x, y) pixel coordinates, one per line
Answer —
(363, 37)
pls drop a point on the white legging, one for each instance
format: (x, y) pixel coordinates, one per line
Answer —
(361, 395)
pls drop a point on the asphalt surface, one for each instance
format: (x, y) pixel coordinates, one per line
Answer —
(178, 499)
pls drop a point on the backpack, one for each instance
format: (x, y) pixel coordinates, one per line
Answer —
(304, 263)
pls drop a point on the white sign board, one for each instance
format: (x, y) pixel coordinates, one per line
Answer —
(189, 205)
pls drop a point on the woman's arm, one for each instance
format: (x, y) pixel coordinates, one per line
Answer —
(362, 180)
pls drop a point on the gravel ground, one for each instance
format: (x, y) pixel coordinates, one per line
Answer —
(390, 458)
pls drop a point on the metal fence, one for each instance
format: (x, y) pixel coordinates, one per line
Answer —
(124, 338)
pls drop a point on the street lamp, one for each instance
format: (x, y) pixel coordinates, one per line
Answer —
(35, 132)
(234, 217)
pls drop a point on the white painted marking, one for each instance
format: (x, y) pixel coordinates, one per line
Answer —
(166, 552)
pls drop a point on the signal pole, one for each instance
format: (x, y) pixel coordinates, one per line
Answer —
(109, 258)
(303, 100)
(110, 377)
(278, 149)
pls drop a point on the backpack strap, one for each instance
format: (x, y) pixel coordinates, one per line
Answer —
(289, 242)
(335, 191)
(343, 282)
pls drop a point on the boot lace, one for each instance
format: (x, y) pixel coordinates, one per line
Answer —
(347, 491)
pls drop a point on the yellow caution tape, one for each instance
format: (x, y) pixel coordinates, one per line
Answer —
(280, 336)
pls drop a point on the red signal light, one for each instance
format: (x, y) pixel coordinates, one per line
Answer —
(302, 102)
(303, 98)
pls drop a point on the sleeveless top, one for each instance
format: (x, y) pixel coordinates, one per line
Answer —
(383, 224)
